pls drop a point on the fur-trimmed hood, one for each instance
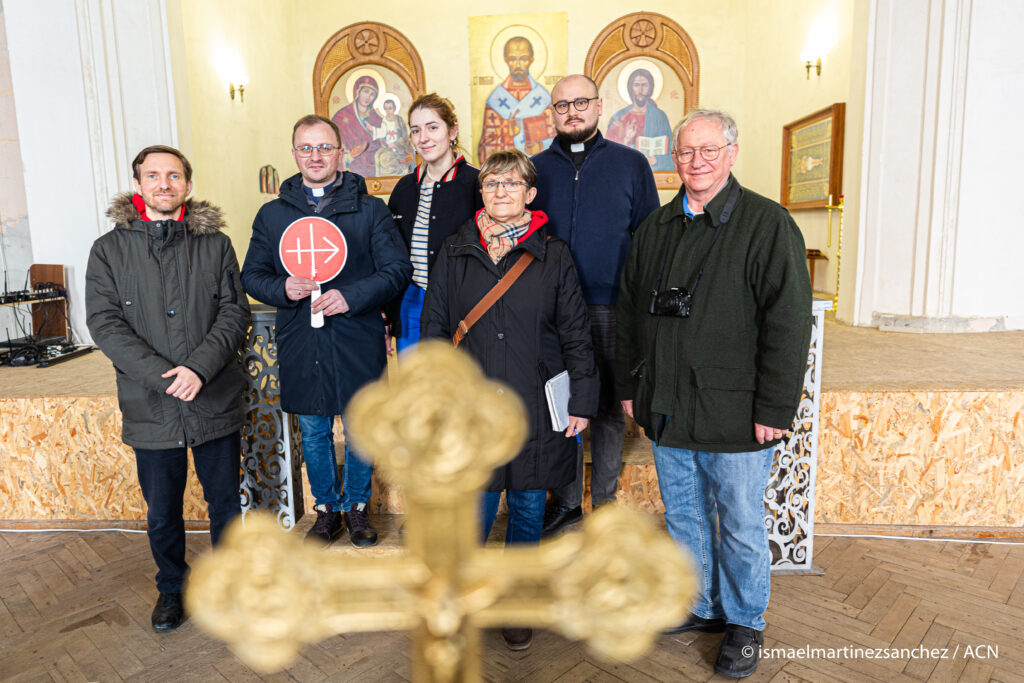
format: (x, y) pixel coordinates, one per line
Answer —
(201, 217)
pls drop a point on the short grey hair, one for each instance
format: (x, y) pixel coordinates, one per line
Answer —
(509, 161)
(726, 122)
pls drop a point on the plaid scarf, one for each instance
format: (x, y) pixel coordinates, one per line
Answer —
(501, 237)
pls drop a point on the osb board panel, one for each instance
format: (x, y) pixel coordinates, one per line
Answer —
(63, 459)
(922, 458)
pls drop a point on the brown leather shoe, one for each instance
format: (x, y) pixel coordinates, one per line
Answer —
(517, 638)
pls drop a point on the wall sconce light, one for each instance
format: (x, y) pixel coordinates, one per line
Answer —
(241, 91)
(813, 65)
(231, 70)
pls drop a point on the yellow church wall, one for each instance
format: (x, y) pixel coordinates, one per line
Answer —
(777, 91)
(749, 58)
(229, 140)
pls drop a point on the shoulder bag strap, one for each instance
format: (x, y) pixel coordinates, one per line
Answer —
(491, 297)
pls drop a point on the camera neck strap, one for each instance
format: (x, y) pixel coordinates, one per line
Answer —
(723, 218)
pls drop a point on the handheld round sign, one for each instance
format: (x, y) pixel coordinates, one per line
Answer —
(313, 248)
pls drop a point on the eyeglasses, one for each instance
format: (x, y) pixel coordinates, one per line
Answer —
(509, 185)
(581, 104)
(324, 149)
(708, 153)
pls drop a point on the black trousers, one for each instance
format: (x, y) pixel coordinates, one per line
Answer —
(163, 474)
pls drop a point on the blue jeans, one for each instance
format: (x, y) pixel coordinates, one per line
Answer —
(412, 306)
(322, 466)
(525, 514)
(714, 506)
(163, 474)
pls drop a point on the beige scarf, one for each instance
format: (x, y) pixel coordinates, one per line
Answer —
(501, 237)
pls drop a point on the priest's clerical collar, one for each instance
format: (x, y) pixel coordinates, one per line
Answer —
(577, 147)
(578, 151)
(315, 193)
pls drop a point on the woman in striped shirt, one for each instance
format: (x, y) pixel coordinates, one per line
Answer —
(429, 204)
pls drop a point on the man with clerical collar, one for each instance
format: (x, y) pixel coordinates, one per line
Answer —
(516, 113)
(164, 303)
(322, 367)
(642, 125)
(595, 193)
(714, 329)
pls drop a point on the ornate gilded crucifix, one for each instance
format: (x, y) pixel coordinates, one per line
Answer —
(438, 429)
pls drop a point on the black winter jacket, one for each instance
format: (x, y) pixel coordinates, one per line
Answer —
(535, 331)
(153, 303)
(322, 367)
(456, 198)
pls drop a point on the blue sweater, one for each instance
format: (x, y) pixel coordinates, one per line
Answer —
(596, 210)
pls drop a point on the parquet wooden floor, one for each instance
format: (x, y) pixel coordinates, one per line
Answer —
(76, 607)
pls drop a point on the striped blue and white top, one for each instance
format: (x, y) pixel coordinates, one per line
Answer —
(418, 245)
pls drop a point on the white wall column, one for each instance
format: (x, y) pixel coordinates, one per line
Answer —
(942, 78)
(92, 86)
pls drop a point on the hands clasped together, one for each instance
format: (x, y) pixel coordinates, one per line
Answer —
(331, 302)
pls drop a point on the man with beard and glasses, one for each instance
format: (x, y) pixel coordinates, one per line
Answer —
(595, 193)
(642, 125)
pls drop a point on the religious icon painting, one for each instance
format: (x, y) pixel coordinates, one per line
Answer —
(366, 77)
(647, 73)
(641, 97)
(369, 104)
(515, 60)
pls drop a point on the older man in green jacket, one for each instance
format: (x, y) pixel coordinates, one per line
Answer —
(714, 328)
(164, 303)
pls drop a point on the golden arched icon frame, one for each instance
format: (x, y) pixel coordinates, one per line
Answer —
(653, 36)
(366, 43)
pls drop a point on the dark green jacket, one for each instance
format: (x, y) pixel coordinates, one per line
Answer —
(156, 301)
(741, 356)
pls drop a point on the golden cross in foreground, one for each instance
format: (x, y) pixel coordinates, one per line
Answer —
(438, 430)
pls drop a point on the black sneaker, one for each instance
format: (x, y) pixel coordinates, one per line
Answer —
(695, 623)
(168, 613)
(360, 532)
(559, 517)
(740, 651)
(327, 526)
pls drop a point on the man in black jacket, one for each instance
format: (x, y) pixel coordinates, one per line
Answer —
(715, 324)
(595, 192)
(321, 368)
(164, 303)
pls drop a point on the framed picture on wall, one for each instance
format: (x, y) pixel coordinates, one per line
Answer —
(812, 159)
(647, 74)
(365, 78)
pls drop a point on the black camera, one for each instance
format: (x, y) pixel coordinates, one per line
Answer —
(675, 302)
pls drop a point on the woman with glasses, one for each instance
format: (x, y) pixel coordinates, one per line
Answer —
(536, 330)
(429, 204)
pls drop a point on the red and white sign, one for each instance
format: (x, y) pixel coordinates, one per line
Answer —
(313, 248)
